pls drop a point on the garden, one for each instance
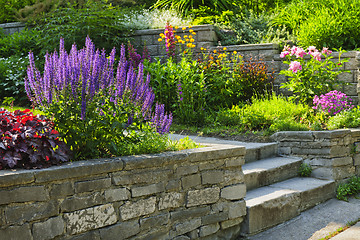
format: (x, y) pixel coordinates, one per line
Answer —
(93, 93)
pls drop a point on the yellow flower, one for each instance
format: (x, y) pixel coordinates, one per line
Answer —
(166, 31)
(192, 40)
(235, 52)
(193, 45)
(191, 30)
(224, 48)
(194, 33)
(190, 36)
(214, 51)
(185, 36)
(190, 26)
(201, 48)
(187, 39)
(184, 28)
(160, 39)
(176, 27)
(205, 67)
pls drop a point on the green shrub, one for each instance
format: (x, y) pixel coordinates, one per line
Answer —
(8, 9)
(305, 170)
(347, 189)
(345, 119)
(20, 43)
(12, 74)
(317, 23)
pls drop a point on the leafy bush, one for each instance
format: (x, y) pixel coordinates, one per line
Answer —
(12, 74)
(347, 189)
(332, 102)
(97, 114)
(317, 23)
(310, 77)
(305, 170)
(345, 119)
(19, 43)
(29, 141)
(8, 9)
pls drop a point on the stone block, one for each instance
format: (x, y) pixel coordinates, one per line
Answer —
(136, 209)
(194, 234)
(182, 238)
(75, 202)
(117, 194)
(206, 36)
(90, 218)
(356, 159)
(92, 185)
(212, 177)
(171, 200)
(187, 170)
(215, 218)
(233, 176)
(151, 222)
(184, 214)
(209, 229)
(153, 50)
(203, 196)
(62, 190)
(237, 209)
(232, 222)
(16, 233)
(24, 194)
(147, 190)
(350, 89)
(235, 162)
(235, 192)
(49, 229)
(15, 177)
(216, 164)
(158, 233)
(93, 235)
(331, 162)
(31, 212)
(190, 181)
(121, 231)
(186, 227)
(148, 39)
(148, 177)
(347, 77)
(173, 185)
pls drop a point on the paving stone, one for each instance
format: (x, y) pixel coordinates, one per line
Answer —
(136, 209)
(352, 233)
(90, 218)
(235, 192)
(16, 233)
(203, 196)
(89, 186)
(24, 194)
(120, 231)
(171, 200)
(49, 229)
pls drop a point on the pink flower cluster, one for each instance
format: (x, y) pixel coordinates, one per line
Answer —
(332, 102)
(170, 40)
(299, 52)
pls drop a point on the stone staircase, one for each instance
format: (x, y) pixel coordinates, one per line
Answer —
(275, 193)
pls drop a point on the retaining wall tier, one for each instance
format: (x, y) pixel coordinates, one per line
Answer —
(11, 28)
(189, 194)
(332, 154)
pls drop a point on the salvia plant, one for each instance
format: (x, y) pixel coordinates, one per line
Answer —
(311, 72)
(332, 102)
(84, 94)
(29, 141)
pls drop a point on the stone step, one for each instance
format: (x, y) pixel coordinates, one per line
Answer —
(270, 170)
(279, 202)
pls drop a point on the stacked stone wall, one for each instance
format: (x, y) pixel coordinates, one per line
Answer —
(11, 28)
(188, 194)
(332, 154)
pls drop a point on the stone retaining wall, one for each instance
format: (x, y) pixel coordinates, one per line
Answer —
(11, 28)
(188, 194)
(332, 154)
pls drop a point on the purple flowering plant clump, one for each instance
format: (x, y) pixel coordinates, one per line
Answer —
(332, 102)
(96, 109)
(311, 72)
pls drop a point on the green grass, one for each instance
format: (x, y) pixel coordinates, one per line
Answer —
(35, 111)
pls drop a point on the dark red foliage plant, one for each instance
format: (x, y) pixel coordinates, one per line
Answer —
(28, 141)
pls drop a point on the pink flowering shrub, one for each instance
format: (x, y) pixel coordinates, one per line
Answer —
(332, 102)
(311, 72)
